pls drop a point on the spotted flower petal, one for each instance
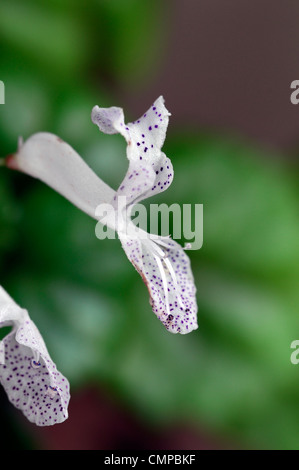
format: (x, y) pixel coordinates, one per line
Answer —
(145, 137)
(143, 181)
(28, 374)
(109, 120)
(150, 171)
(165, 269)
(46, 157)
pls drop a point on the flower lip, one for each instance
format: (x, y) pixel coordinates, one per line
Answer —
(165, 269)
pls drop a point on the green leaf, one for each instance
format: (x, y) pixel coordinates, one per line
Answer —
(49, 40)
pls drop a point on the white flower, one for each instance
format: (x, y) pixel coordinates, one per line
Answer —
(29, 376)
(161, 262)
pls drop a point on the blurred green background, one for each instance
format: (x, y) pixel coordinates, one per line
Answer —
(231, 383)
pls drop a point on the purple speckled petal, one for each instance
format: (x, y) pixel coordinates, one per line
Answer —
(165, 269)
(163, 170)
(145, 137)
(29, 376)
(143, 181)
(150, 171)
(139, 180)
(109, 120)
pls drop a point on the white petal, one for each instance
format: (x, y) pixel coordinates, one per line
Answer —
(163, 171)
(145, 137)
(166, 271)
(109, 120)
(138, 181)
(142, 181)
(150, 171)
(29, 376)
(46, 157)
